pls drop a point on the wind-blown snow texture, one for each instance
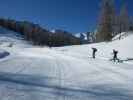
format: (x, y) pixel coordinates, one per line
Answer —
(66, 73)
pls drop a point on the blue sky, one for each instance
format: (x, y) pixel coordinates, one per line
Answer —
(71, 15)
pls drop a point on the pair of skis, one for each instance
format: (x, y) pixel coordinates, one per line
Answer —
(116, 60)
(122, 60)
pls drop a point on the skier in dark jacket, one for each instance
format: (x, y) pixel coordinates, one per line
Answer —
(115, 53)
(94, 52)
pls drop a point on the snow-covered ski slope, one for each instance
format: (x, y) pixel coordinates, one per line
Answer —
(9, 38)
(66, 73)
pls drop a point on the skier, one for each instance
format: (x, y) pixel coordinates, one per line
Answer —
(115, 53)
(94, 52)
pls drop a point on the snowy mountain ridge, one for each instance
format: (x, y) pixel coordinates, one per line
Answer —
(84, 34)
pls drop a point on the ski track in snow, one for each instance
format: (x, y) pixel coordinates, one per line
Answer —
(65, 73)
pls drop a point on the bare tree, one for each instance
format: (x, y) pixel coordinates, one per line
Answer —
(124, 19)
(106, 22)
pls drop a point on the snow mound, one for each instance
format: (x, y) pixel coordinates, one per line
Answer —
(122, 35)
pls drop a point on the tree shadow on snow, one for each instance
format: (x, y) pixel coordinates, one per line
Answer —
(4, 54)
(109, 91)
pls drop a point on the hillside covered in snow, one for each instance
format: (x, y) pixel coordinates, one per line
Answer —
(39, 35)
(65, 73)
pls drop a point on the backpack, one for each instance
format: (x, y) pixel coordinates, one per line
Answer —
(94, 49)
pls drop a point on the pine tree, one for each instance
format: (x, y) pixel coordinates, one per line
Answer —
(107, 21)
